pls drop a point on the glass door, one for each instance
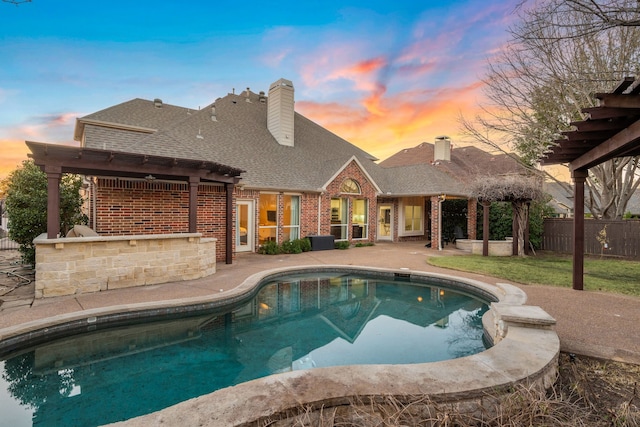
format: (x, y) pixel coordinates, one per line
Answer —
(385, 222)
(245, 234)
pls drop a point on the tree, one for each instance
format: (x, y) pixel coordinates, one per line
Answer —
(520, 190)
(26, 202)
(538, 84)
(598, 16)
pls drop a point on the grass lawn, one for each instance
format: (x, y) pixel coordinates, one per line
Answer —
(609, 275)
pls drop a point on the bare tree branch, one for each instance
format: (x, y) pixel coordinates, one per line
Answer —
(558, 56)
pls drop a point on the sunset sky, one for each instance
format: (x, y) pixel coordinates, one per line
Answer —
(383, 75)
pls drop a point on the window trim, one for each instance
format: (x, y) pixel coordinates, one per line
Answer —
(405, 202)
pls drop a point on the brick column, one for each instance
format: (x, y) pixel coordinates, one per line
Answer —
(435, 212)
(472, 218)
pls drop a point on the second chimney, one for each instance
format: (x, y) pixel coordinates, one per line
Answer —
(442, 149)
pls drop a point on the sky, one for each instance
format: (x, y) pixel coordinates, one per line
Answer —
(382, 75)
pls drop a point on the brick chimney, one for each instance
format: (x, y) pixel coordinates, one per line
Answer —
(280, 112)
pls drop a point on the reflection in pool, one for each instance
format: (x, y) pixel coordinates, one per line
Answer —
(297, 322)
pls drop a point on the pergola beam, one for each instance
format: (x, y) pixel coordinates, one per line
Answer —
(619, 144)
(57, 159)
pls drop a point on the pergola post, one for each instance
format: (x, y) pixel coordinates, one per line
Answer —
(579, 177)
(193, 203)
(527, 242)
(515, 230)
(229, 231)
(53, 200)
(485, 228)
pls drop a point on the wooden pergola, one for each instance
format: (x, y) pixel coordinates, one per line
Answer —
(611, 130)
(55, 160)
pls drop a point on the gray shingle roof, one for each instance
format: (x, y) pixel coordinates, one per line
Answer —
(239, 138)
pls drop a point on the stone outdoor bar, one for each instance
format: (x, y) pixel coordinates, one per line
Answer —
(75, 265)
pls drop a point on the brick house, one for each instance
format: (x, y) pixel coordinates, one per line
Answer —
(299, 179)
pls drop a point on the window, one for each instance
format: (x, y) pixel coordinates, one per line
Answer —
(268, 224)
(291, 217)
(413, 217)
(360, 219)
(350, 186)
(339, 218)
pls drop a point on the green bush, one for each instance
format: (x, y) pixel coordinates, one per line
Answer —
(342, 245)
(360, 245)
(270, 248)
(295, 246)
(305, 244)
(291, 247)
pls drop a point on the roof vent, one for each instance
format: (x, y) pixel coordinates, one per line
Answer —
(247, 95)
(157, 103)
(213, 114)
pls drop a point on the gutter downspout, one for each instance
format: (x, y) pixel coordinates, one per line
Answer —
(319, 210)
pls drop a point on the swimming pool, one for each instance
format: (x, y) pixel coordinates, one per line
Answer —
(296, 322)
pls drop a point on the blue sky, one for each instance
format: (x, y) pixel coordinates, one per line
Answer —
(383, 75)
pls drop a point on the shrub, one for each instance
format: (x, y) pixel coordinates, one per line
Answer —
(291, 247)
(269, 248)
(342, 245)
(305, 244)
(360, 245)
(295, 246)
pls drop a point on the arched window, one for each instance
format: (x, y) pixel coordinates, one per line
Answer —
(350, 186)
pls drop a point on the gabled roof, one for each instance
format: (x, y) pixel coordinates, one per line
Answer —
(238, 136)
(420, 179)
(134, 115)
(561, 196)
(465, 165)
(233, 131)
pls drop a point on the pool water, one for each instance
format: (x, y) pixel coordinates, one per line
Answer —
(297, 322)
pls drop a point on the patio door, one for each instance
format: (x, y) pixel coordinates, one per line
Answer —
(385, 222)
(245, 229)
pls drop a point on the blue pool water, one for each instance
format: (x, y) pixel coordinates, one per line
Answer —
(297, 322)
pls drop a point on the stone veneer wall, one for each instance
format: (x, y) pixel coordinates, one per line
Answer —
(496, 247)
(76, 265)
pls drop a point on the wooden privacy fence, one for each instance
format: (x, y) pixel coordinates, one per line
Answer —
(601, 237)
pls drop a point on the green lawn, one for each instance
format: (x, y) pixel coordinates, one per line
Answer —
(609, 275)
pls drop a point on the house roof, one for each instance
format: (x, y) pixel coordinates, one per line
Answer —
(466, 164)
(561, 196)
(233, 131)
(239, 137)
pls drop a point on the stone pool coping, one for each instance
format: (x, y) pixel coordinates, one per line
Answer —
(526, 352)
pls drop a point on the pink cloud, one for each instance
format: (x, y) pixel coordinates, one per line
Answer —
(385, 123)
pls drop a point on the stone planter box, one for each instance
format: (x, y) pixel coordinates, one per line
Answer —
(496, 247)
(75, 265)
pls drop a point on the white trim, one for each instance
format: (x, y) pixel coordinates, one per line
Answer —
(402, 219)
(364, 171)
(391, 223)
(251, 230)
